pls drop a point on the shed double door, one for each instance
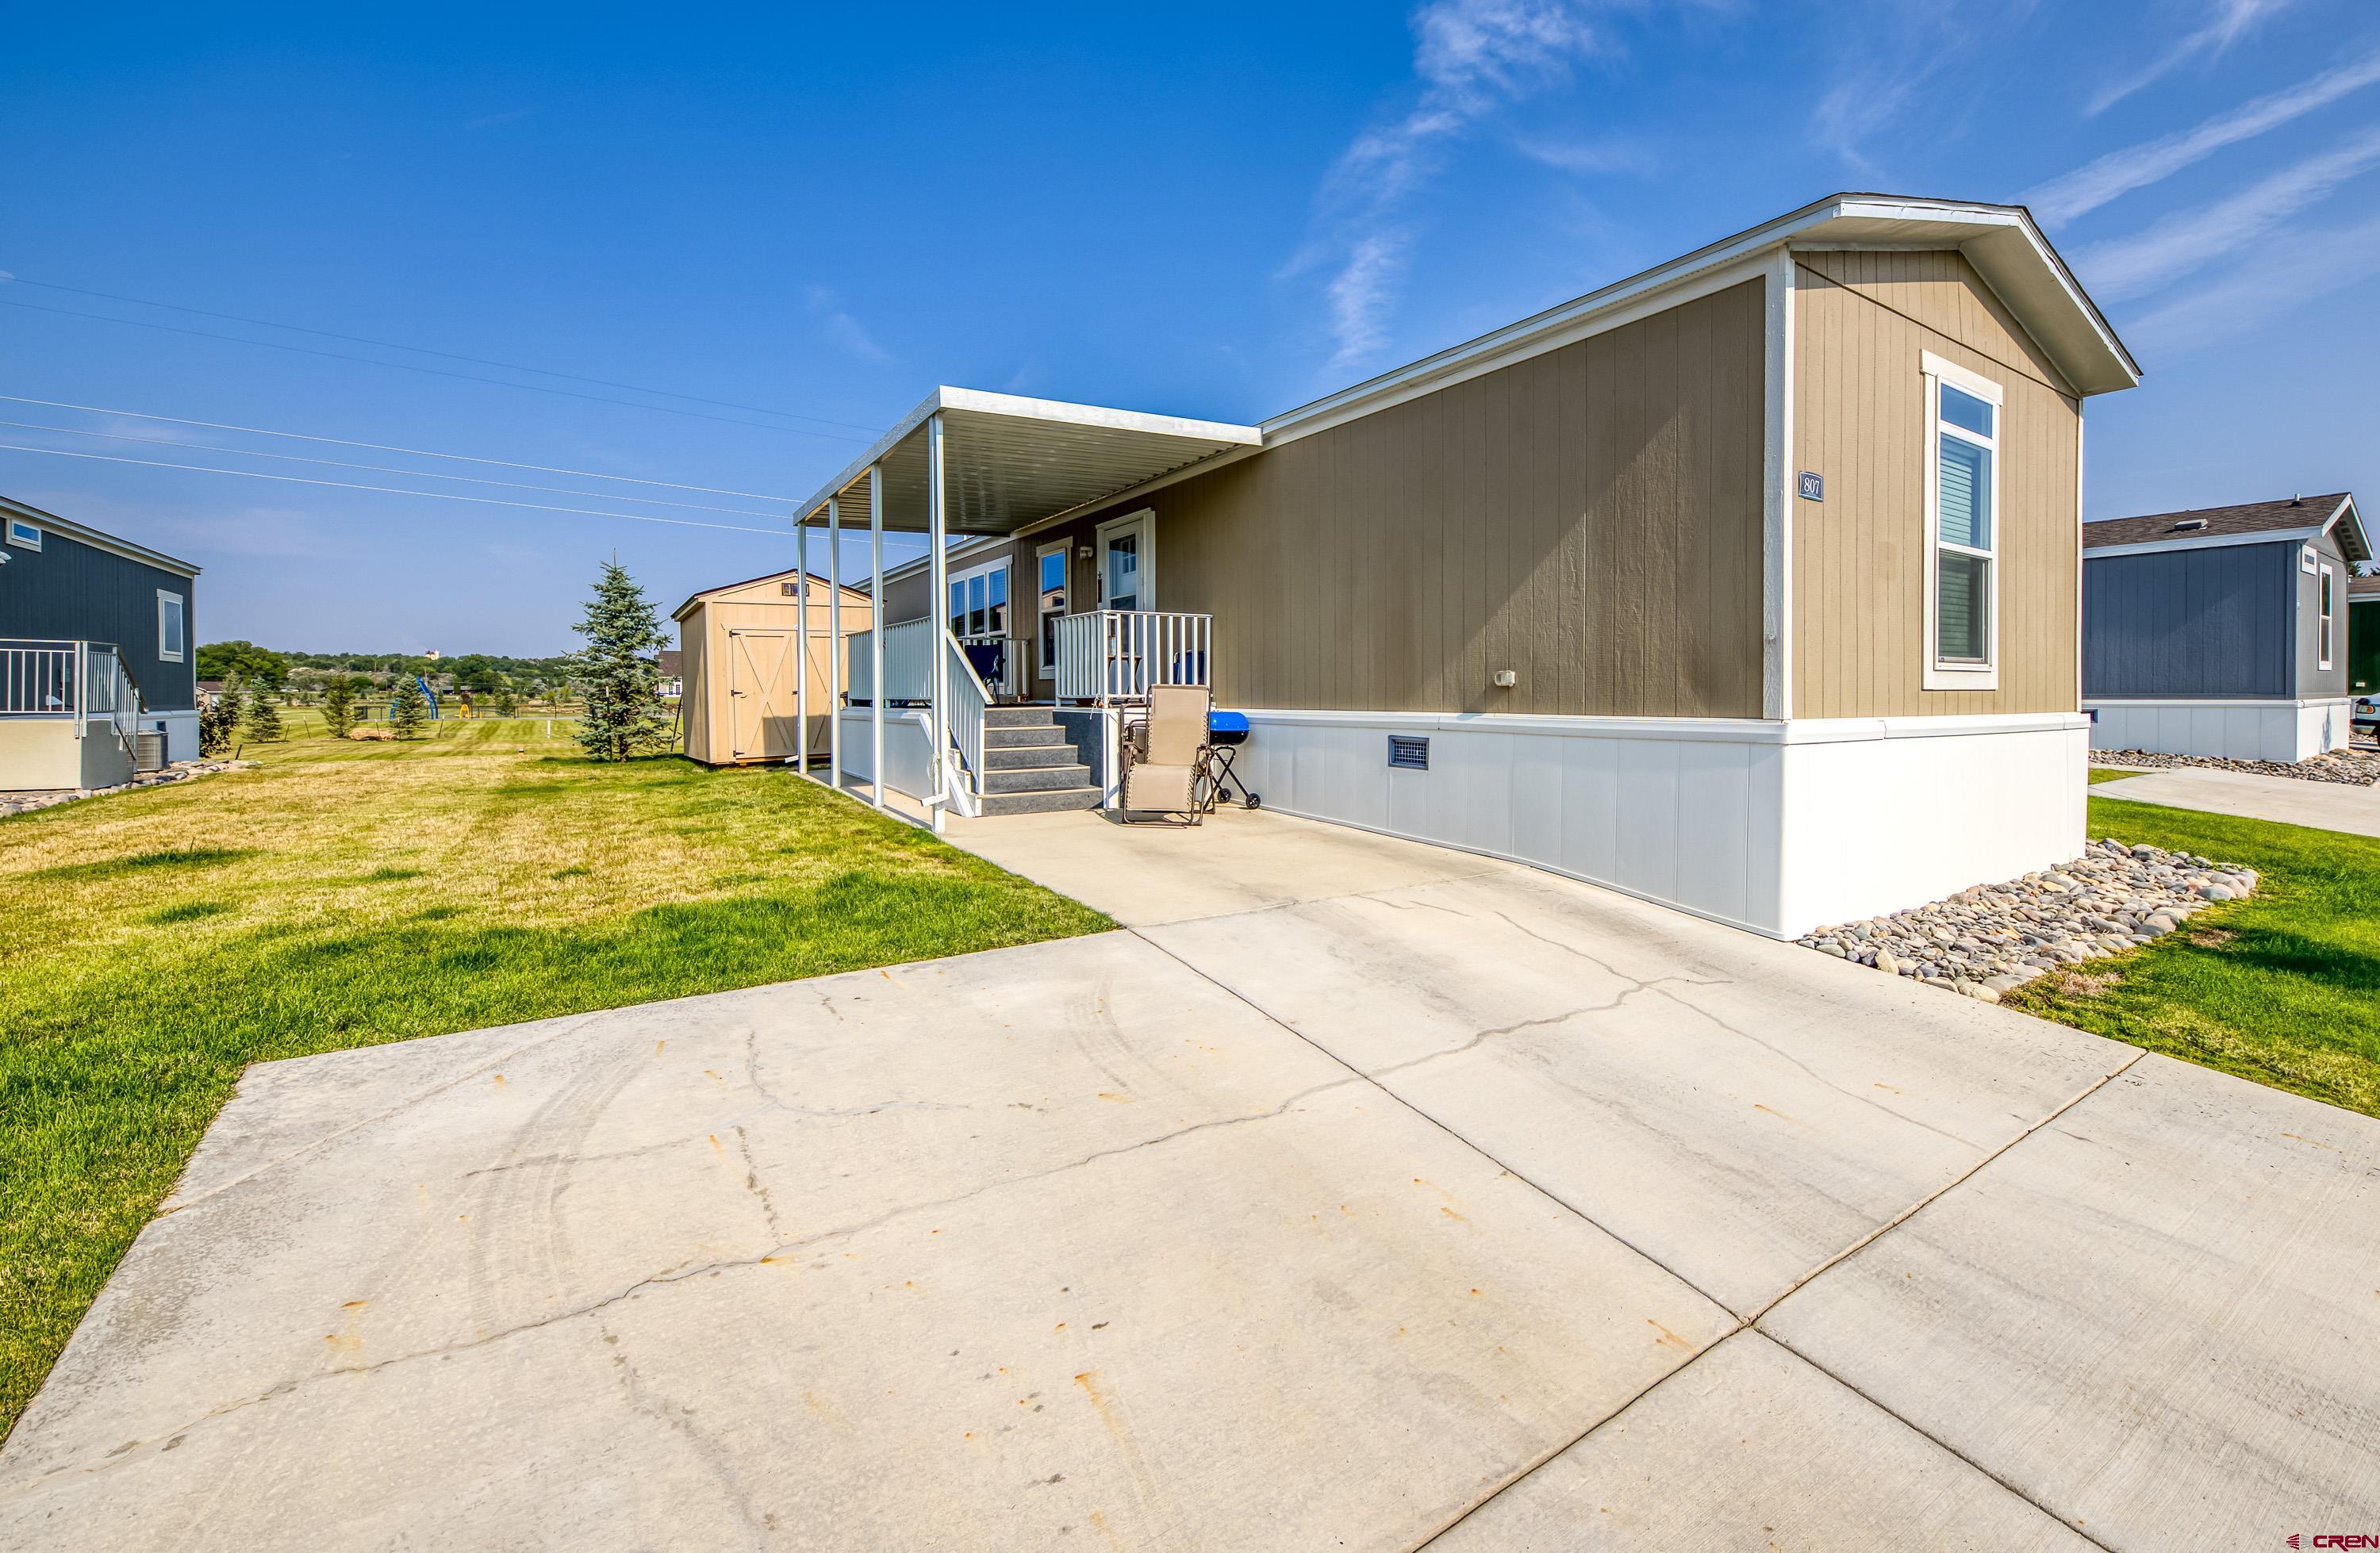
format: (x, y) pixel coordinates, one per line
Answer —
(763, 712)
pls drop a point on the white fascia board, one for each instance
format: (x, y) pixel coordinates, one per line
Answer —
(957, 552)
(2347, 509)
(1843, 219)
(52, 523)
(2204, 704)
(2154, 547)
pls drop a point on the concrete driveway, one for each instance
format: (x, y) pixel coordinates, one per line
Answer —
(1358, 1193)
(2328, 805)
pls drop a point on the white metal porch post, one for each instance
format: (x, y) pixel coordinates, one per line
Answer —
(938, 613)
(802, 641)
(876, 633)
(833, 642)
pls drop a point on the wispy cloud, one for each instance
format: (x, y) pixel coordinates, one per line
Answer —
(1608, 154)
(2314, 265)
(488, 121)
(2189, 240)
(1891, 55)
(2228, 22)
(842, 328)
(2120, 171)
(1471, 60)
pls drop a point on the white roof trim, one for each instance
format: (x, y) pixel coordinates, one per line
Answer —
(2212, 541)
(54, 524)
(1836, 218)
(2255, 537)
(1054, 410)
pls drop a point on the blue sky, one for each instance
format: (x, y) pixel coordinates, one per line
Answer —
(1215, 211)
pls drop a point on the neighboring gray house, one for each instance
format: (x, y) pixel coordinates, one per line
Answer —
(96, 650)
(2222, 630)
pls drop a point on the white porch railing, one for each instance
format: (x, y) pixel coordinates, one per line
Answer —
(908, 662)
(1107, 657)
(968, 697)
(39, 678)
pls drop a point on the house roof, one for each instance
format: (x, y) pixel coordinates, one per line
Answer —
(669, 662)
(695, 597)
(2289, 517)
(1014, 465)
(96, 540)
(2363, 587)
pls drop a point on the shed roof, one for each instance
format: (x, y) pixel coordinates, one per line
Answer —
(2289, 517)
(698, 597)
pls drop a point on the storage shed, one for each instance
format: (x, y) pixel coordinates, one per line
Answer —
(738, 648)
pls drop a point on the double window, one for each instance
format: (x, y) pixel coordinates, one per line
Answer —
(1963, 560)
(978, 602)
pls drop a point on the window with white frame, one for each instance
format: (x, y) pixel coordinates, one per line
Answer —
(1051, 579)
(2324, 614)
(1963, 560)
(978, 602)
(24, 535)
(171, 613)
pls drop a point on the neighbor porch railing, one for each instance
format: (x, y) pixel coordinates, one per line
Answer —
(1113, 657)
(39, 678)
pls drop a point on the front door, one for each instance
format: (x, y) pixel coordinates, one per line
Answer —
(761, 694)
(1125, 563)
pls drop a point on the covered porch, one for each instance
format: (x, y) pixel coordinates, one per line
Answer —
(933, 708)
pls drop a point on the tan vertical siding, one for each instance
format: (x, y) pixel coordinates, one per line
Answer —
(1589, 518)
(1862, 322)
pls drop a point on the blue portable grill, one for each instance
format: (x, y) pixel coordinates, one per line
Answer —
(1226, 730)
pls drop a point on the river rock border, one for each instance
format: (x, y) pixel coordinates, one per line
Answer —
(1995, 938)
(180, 771)
(2354, 767)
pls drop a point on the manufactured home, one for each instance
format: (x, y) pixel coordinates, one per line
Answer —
(1748, 584)
(2222, 631)
(97, 662)
(741, 691)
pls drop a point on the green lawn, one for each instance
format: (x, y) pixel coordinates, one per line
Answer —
(2109, 773)
(345, 893)
(2283, 987)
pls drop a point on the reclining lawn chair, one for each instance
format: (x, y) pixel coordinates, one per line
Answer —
(1167, 760)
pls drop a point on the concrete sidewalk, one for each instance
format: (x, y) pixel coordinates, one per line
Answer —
(2327, 806)
(1359, 1194)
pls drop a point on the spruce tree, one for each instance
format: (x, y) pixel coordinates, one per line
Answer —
(408, 709)
(219, 720)
(339, 705)
(619, 673)
(263, 718)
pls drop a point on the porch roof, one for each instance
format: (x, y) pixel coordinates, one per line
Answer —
(1011, 461)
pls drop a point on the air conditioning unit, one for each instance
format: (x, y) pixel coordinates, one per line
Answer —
(148, 751)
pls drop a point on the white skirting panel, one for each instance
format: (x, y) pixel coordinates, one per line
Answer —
(181, 731)
(1773, 826)
(906, 744)
(1934, 804)
(2237, 730)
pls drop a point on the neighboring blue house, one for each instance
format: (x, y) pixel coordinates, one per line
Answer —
(96, 650)
(2223, 630)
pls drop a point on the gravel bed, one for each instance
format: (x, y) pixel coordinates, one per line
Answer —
(1994, 937)
(180, 771)
(2356, 768)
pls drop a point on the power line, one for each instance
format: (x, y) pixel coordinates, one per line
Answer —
(376, 469)
(442, 355)
(431, 371)
(388, 447)
(389, 490)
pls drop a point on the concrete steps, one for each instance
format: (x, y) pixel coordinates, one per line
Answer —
(1029, 767)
